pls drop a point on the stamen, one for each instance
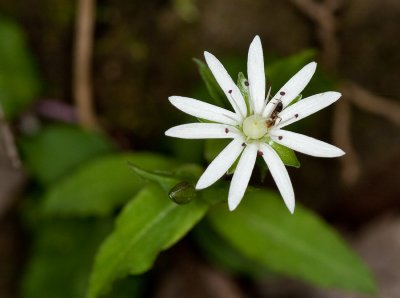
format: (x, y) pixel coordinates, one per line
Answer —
(269, 93)
(226, 130)
(234, 104)
(280, 138)
(266, 101)
(230, 117)
(243, 144)
(277, 100)
(247, 83)
(260, 153)
(282, 93)
(281, 123)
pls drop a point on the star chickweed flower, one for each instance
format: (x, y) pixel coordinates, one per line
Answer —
(255, 126)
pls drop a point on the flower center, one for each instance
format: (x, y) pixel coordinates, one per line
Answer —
(254, 127)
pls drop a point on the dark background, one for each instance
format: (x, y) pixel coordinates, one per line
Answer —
(143, 53)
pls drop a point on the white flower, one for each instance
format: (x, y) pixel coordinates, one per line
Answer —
(253, 128)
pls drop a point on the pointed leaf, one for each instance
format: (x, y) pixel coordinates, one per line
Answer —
(148, 224)
(102, 185)
(287, 155)
(169, 178)
(175, 183)
(56, 150)
(218, 251)
(299, 245)
(63, 251)
(244, 89)
(165, 180)
(217, 95)
(213, 147)
(283, 69)
(19, 80)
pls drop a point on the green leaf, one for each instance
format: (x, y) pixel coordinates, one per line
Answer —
(58, 149)
(279, 72)
(213, 147)
(164, 179)
(169, 178)
(260, 163)
(19, 80)
(129, 287)
(286, 154)
(299, 245)
(217, 95)
(185, 150)
(148, 224)
(296, 99)
(102, 185)
(62, 257)
(175, 183)
(244, 89)
(218, 251)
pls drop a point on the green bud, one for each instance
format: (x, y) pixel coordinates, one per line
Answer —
(182, 193)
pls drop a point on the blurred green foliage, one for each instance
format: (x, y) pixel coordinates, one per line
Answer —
(62, 257)
(19, 79)
(221, 253)
(148, 224)
(298, 245)
(101, 186)
(216, 95)
(287, 155)
(280, 71)
(97, 216)
(55, 150)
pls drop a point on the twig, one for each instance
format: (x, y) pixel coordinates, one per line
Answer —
(335, 5)
(368, 101)
(350, 170)
(83, 94)
(9, 143)
(323, 15)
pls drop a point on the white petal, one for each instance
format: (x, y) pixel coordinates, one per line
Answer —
(296, 84)
(204, 110)
(230, 89)
(270, 107)
(306, 107)
(202, 131)
(242, 175)
(221, 164)
(256, 75)
(280, 175)
(305, 144)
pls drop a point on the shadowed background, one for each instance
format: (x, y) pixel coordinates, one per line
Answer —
(142, 53)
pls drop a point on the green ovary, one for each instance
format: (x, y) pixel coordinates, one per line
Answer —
(254, 127)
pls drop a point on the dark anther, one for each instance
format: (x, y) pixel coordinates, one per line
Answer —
(226, 130)
(230, 91)
(246, 83)
(296, 115)
(260, 153)
(282, 93)
(280, 137)
(244, 144)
